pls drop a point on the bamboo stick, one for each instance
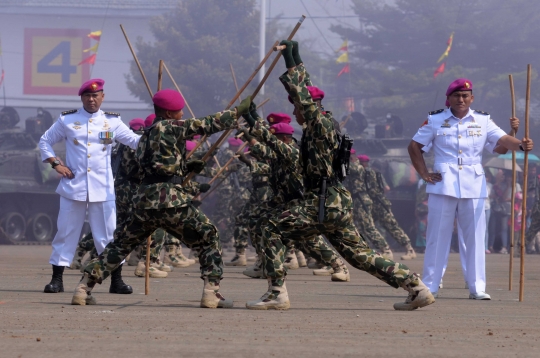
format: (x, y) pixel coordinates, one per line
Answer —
(147, 270)
(513, 200)
(137, 62)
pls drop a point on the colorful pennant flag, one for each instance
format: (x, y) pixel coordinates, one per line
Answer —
(344, 46)
(96, 35)
(345, 69)
(2, 78)
(91, 60)
(344, 58)
(439, 70)
(448, 48)
(93, 48)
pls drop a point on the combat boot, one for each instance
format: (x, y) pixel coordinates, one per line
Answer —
(212, 298)
(256, 270)
(161, 266)
(117, 284)
(134, 257)
(387, 253)
(314, 264)
(291, 262)
(154, 272)
(341, 272)
(419, 295)
(410, 253)
(56, 285)
(300, 258)
(237, 260)
(174, 259)
(182, 257)
(325, 271)
(83, 293)
(275, 298)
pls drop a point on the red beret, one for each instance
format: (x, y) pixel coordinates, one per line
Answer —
(196, 136)
(363, 158)
(353, 151)
(461, 84)
(282, 128)
(275, 118)
(190, 145)
(235, 142)
(169, 100)
(315, 93)
(136, 124)
(149, 120)
(93, 85)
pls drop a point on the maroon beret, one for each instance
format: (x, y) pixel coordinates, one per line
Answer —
(169, 100)
(353, 151)
(363, 158)
(315, 92)
(275, 118)
(461, 84)
(235, 142)
(190, 145)
(93, 85)
(282, 128)
(136, 124)
(149, 120)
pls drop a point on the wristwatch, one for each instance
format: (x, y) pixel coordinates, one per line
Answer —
(521, 147)
(55, 163)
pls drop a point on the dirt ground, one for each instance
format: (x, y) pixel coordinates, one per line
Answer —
(326, 318)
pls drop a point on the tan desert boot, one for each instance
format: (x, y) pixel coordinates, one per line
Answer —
(237, 260)
(300, 258)
(291, 262)
(275, 298)
(341, 272)
(387, 253)
(161, 266)
(419, 295)
(410, 253)
(313, 264)
(134, 257)
(154, 272)
(256, 270)
(174, 259)
(82, 295)
(182, 257)
(211, 298)
(325, 271)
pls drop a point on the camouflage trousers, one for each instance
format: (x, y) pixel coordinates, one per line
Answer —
(86, 244)
(300, 220)
(363, 219)
(533, 229)
(386, 219)
(187, 222)
(158, 240)
(314, 246)
(241, 227)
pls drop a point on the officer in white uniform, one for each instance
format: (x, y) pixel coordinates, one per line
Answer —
(458, 188)
(87, 181)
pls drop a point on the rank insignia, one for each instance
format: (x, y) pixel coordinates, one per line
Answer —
(77, 123)
(425, 123)
(75, 141)
(94, 86)
(69, 112)
(77, 127)
(446, 124)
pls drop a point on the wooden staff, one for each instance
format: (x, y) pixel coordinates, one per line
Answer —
(344, 123)
(214, 187)
(512, 201)
(238, 152)
(160, 75)
(263, 103)
(234, 80)
(227, 132)
(147, 269)
(525, 174)
(137, 62)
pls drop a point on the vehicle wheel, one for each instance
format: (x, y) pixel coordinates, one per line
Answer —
(41, 227)
(13, 225)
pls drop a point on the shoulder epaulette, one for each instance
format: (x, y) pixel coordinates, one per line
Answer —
(481, 112)
(436, 112)
(112, 114)
(69, 112)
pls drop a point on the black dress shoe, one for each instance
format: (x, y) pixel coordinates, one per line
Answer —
(117, 284)
(56, 285)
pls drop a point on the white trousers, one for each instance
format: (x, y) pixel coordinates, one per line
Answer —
(470, 214)
(102, 220)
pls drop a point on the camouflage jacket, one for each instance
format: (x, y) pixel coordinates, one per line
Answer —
(260, 173)
(286, 179)
(356, 182)
(319, 141)
(375, 184)
(128, 178)
(162, 151)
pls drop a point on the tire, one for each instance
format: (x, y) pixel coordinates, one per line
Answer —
(13, 227)
(41, 228)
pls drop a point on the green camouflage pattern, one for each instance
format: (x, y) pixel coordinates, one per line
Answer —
(158, 241)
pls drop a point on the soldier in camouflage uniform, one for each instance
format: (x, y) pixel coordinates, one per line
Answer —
(534, 228)
(301, 219)
(382, 212)
(160, 201)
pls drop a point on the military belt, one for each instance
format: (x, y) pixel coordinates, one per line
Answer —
(314, 184)
(155, 179)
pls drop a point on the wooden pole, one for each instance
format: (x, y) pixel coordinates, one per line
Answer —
(239, 151)
(147, 271)
(160, 75)
(513, 200)
(263, 103)
(137, 62)
(234, 80)
(344, 123)
(524, 188)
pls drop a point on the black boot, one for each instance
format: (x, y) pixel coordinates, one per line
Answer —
(56, 285)
(117, 285)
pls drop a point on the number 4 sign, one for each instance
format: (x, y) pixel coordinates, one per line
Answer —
(50, 61)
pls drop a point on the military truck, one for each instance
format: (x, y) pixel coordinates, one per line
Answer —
(28, 202)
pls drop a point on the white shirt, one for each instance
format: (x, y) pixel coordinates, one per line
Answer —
(89, 160)
(457, 145)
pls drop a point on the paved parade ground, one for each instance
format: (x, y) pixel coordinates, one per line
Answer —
(326, 319)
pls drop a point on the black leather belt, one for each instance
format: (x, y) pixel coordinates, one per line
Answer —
(155, 179)
(314, 184)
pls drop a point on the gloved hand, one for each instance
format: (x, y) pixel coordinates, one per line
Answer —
(246, 135)
(244, 159)
(287, 54)
(195, 166)
(203, 188)
(253, 111)
(249, 119)
(243, 107)
(295, 54)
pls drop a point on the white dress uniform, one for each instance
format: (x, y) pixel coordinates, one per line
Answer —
(457, 145)
(92, 187)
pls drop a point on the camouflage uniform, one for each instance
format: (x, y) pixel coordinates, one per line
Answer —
(300, 220)
(159, 203)
(382, 212)
(534, 227)
(363, 205)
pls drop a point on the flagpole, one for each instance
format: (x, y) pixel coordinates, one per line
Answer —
(3, 73)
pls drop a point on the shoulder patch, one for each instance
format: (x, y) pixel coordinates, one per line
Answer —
(69, 112)
(481, 112)
(436, 112)
(112, 114)
(425, 123)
